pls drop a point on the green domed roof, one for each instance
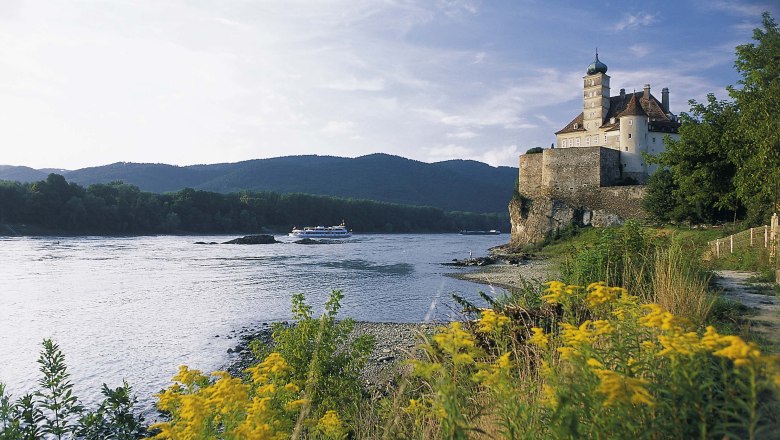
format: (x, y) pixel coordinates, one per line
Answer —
(597, 66)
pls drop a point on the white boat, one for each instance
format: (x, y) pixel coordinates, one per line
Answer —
(339, 231)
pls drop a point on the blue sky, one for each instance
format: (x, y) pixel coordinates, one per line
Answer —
(91, 82)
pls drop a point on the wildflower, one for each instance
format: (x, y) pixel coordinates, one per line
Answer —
(189, 377)
(574, 336)
(555, 289)
(619, 388)
(538, 338)
(331, 426)
(594, 363)
(455, 341)
(602, 327)
(491, 321)
(295, 404)
(660, 318)
(711, 340)
(492, 374)
(679, 343)
(741, 352)
(291, 387)
(228, 394)
(567, 353)
(549, 397)
(599, 293)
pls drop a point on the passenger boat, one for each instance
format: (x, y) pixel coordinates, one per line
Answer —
(490, 232)
(339, 231)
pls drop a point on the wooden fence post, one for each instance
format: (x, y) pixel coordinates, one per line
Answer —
(751, 237)
(731, 243)
(717, 248)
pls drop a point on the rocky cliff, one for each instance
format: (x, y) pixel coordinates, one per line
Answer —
(534, 219)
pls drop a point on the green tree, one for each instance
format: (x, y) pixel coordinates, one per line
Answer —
(757, 180)
(700, 166)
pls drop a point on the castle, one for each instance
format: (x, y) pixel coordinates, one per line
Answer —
(598, 171)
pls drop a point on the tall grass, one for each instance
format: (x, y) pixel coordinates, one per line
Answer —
(681, 286)
(653, 266)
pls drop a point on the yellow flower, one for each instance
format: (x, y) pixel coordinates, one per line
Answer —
(456, 342)
(567, 352)
(295, 404)
(678, 343)
(491, 321)
(594, 363)
(575, 336)
(660, 318)
(599, 293)
(555, 289)
(331, 426)
(538, 338)
(189, 377)
(291, 387)
(622, 389)
(549, 397)
(228, 394)
(741, 352)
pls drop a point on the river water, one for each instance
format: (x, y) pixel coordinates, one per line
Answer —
(136, 308)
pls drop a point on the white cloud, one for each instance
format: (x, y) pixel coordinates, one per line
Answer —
(462, 135)
(447, 152)
(633, 21)
(339, 128)
(639, 50)
(501, 156)
(353, 84)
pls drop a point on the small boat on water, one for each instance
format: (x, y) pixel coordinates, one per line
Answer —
(490, 232)
(339, 231)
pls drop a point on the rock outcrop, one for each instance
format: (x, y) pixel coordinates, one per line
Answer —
(253, 239)
(534, 219)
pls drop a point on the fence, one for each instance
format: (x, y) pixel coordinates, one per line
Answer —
(767, 236)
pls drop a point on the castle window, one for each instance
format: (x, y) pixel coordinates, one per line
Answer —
(571, 142)
(629, 135)
(596, 139)
(605, 139)
(626, 148)
(630, 122)
(578, 141)
(587, 140)
(653, 139)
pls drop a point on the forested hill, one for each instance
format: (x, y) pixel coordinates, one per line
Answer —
(455, 185)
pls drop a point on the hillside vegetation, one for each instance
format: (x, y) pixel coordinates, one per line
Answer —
(455, 185)
(54, 205)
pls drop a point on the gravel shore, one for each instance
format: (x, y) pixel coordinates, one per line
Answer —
(394, 343)
(509, 276)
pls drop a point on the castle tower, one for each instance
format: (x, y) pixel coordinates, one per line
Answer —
(595, 95)
(633, 130)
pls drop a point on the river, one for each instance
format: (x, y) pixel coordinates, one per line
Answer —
(136, 308)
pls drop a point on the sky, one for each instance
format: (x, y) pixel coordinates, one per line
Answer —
(92, 82)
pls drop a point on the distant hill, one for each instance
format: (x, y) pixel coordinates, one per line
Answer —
(454, 185)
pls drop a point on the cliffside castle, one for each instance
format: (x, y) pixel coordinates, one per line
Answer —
(596, 168)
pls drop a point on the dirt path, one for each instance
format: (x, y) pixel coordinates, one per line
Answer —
(766, 321)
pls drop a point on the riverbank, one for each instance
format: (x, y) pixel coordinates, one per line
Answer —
(393, 344)
(511, 276)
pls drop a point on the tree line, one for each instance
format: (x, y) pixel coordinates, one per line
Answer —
(726, 164)
(118, 208)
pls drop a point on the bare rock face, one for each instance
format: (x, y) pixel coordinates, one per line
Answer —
(534, 219)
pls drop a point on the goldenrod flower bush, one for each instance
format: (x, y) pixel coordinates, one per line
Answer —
(305, 388)
(601, 365)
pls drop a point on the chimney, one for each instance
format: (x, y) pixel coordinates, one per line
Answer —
(665, 99)
(647, 92)
(622, 94)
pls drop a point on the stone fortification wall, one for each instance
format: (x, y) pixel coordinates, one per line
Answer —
(568, 171)
(530, 175)
(571, 186)
(571, 168)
